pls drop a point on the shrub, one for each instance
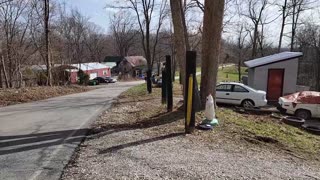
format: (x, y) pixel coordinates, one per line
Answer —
(83, 77)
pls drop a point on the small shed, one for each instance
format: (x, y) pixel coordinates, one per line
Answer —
(276, 74)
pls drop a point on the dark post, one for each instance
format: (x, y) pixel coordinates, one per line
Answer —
(169, 83)
(189, 91)
(149, 83)
(164, 87)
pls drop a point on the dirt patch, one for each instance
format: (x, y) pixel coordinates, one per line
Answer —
(23, 95)
(138, 139)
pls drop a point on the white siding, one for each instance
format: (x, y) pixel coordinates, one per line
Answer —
(251, 77)
(259, 76)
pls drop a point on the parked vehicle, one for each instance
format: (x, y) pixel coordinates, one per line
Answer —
(240, 94)
(110, 80)
(93, 82)
(100, 80)
(305, 104)
(159, 82)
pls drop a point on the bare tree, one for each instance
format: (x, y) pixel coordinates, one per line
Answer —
(285, 14)
(228, 15)
(242, 35)
(180, 42)
(46, 34)
(146, 11)
(308, 38)
(211, 43)
(94, 41)
(254, 11)
(297, 7)
(14, 31)
(124, 32)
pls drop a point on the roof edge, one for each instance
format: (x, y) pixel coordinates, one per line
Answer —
(287, 59)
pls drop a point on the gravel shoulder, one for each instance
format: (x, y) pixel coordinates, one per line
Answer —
(137, 139)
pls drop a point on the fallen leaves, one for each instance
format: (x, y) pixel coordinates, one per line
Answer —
(23, 95)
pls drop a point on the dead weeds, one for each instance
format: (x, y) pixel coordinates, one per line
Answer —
(23, 95)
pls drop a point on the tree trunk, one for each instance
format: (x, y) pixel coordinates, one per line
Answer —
(186, 35)
(239, 64)
(174, 69)
(318, 70)
(293, 26)
(149, 83)
(211, 43)
(179, 36)
(254, 43)
(284, 17)
(46, 29)
(148, 56)
(1, 81)
(5, 72)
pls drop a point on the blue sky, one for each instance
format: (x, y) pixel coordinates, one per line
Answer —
(94, 9)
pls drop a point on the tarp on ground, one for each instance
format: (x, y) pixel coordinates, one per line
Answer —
(304, 97)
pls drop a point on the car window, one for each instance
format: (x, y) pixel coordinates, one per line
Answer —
(237, 88)
(224, 87)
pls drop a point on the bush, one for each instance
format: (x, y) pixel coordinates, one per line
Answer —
(83, 77)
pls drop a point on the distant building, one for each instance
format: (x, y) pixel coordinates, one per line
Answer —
(92, 69)
(275, 74)
(132, 66)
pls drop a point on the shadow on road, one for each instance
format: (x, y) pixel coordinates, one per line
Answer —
(20, 143)
(27, 142)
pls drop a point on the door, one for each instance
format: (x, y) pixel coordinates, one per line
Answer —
(239, 93)
(223, 93)
(93, 75)
(275, 84)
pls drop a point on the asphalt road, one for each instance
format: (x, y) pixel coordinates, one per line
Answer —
(37, 139)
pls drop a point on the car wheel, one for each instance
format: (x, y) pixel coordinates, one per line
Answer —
(302, 113)
(248, 104)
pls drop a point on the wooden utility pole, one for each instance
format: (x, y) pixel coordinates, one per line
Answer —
(169, 83)
(189, 98)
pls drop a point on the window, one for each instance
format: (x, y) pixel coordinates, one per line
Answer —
(237, 88)
(104, 72)
(224, 87)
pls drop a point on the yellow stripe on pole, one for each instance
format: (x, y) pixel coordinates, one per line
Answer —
(189, 105)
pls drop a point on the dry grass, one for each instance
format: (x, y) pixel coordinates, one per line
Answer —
(142, 110)
(23, 95)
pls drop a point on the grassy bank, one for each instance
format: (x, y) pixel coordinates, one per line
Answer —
(256, 130)
(23, 95)
(228, 74)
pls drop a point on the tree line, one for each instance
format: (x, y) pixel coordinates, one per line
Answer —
(34, 34)
(43, 32)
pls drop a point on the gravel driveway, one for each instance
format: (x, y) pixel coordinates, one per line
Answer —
(158, 151)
